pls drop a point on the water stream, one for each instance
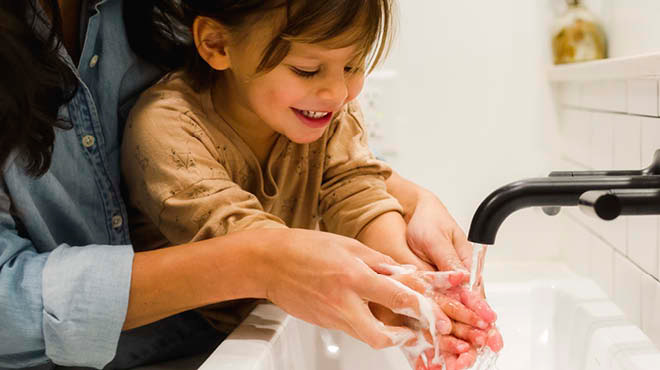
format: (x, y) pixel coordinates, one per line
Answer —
(486, 358)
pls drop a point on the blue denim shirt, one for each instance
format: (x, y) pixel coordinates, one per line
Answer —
(65, 253)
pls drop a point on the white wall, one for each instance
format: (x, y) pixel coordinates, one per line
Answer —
(465, 104)
(632, 26)
(614, 125)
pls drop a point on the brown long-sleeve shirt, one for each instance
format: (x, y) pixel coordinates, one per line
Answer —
(190, 176)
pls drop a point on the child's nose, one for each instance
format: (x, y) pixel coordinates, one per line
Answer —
(334, 90)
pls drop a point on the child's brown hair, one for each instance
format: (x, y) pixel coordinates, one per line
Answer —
(164, 38)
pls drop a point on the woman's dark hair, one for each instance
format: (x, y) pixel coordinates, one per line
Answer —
(34, 83)
(160, 30)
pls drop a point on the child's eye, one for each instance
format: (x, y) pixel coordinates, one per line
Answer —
(303, 73)
(349, 69)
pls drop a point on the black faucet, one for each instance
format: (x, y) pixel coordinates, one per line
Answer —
(605, 194)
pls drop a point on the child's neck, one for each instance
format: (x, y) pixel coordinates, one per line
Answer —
(256, 134)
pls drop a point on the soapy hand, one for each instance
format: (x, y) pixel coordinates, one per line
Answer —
(331, 290)
(473, 320)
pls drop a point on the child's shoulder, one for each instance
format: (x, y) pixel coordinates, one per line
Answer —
(350, 117)
(171, 100)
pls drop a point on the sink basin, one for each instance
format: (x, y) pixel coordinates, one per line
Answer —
(550, 319)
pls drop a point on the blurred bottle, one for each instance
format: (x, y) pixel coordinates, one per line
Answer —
(577, 36)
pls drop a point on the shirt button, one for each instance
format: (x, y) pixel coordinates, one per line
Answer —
(88, 141)
(93, 61)
(117, 221)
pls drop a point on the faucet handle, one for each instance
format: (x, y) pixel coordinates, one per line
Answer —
(603, 204)
(610, 204)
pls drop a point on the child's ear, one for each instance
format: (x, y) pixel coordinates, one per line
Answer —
(212, 42)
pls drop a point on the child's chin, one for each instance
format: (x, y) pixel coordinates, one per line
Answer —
(305, 139)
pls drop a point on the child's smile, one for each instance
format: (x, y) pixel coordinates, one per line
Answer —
(313, 119)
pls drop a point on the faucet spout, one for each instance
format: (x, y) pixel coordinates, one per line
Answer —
(553, 191)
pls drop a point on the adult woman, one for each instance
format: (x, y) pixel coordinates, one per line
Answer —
(69, 280)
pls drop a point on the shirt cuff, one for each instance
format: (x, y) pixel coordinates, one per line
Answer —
(361, 201)
(85, 295)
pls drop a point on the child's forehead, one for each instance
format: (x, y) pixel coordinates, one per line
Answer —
(318, 51)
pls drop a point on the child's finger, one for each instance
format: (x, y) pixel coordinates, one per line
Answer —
(450, 362)
(466, 359)
(441, 281)
(458, 312)
(476, 303)
(470, 334)
(495, 341)
(446, 343)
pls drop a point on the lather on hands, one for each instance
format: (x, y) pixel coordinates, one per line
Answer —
(472, 320)
(434, 237)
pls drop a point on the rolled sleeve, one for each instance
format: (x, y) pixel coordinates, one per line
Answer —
(21, 339)
(353, 192)
(85, 299)
(67, 305)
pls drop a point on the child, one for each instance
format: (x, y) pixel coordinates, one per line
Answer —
(261, 131)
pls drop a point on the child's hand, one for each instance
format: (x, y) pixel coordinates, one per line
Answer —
(472, 319)
(435, 237)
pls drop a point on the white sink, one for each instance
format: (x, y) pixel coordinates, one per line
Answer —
(550, 318)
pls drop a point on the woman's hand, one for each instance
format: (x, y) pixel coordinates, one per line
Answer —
(329, 280)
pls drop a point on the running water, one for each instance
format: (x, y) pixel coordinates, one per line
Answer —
(486, 358)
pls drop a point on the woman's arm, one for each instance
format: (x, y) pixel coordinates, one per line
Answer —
(171, 280)
(290, 267)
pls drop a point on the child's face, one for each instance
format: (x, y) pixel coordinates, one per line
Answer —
(300, 96)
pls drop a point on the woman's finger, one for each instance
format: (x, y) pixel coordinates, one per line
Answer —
(401, 299)
(372, 331)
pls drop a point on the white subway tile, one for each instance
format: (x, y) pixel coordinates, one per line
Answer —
(627, 142)
(602, 141)
(575, 249)
(592, 94)
(643, 242)
(568, 93)
(616, 98)
(609, 96)
(576, 135)
(650, 139)
(602, 264)
(613, 232)
(627, 288)
(651, 308)
(643, 97)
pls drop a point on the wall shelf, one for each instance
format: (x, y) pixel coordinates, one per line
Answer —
(625, 68)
